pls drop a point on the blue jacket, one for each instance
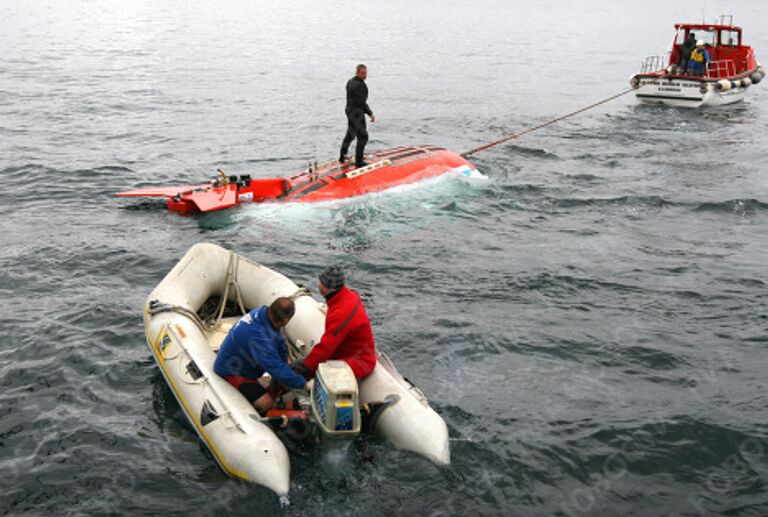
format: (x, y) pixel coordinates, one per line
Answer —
(699, 59)
(254, 346)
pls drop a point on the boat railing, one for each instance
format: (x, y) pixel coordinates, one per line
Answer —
(725, 19)
(653, 64)
(721, 69)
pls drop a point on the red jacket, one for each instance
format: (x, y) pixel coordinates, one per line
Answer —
(348, 335)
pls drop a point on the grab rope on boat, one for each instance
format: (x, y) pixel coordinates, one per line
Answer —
(234, 261)
(156, 307)
(210, 318)
(301, 291)
(469, 153)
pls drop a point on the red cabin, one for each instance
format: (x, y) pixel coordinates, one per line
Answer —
(718, 80)
(729, 56)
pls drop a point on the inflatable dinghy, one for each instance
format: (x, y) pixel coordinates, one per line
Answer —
(330, 180)
(186, 319)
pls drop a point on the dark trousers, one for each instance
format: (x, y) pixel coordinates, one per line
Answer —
(356, 128)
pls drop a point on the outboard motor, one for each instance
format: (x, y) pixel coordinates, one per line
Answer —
(334, 400)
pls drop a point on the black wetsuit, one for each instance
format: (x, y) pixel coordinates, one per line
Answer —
(357, 109)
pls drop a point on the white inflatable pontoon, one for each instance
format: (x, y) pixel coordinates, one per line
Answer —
(184, 345)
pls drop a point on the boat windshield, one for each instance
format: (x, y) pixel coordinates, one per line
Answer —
(708, 36)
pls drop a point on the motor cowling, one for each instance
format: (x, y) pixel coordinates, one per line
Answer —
(334, 400)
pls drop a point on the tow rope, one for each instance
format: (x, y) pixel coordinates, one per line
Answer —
(467, 154)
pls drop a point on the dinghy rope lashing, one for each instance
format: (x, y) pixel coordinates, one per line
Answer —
(155, 307)
(234, 261)
(469, 153)
(207, 323)
(301, 291)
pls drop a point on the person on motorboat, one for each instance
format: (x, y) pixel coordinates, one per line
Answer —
(348, 335)
(685, 51)
(356, 110)
(254, 347)
(699, 59)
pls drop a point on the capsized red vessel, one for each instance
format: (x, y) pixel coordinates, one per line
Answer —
(330, 180)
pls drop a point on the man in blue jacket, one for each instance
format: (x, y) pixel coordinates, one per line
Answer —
(253, 347)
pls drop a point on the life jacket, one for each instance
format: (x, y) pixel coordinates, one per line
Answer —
(698, 55)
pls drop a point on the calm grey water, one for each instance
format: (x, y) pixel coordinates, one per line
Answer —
(590, 320)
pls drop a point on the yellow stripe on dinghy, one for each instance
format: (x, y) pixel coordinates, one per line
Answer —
(159, 357)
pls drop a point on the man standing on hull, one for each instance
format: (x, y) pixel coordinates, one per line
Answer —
(357, 109)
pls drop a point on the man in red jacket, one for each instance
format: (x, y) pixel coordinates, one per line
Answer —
(348, 336)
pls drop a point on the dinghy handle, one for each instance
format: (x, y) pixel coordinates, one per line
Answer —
(386, 363)
(372, 411)
(203, 379)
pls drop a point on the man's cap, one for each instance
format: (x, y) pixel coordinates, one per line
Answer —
(700, 43)
(332, 277)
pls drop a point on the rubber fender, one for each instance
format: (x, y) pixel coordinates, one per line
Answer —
(756, 77)
(746, 82)
(736, 84)
(723, 85)
(634, 82)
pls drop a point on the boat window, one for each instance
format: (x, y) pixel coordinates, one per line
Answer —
(708, 36)
(729, 38)
(680, 37)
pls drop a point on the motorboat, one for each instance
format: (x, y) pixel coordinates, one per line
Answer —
(318, 182)
(188, 315)
(725, 79)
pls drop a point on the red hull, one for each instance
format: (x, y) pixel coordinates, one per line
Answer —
(386, 169)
